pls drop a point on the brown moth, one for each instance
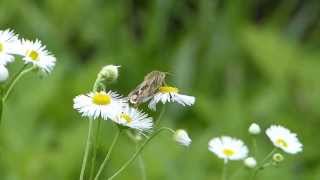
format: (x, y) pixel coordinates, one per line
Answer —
(149, 86)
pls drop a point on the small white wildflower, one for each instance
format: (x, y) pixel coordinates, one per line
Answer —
(250, 162)
(35, 53)
(181, 136)
(4, 73)
(254, 129)
(9, 43)
(284, 139)
(133, 118)
(228, 148)
(170, 94)
(110, 73)
(99, 104)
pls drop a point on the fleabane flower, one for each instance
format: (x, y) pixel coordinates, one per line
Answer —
(35, 53)
(170, 94)
(9, 44)
(228, 148)
(99, 104)
(181, 136)
(284, 139)
(134, 119)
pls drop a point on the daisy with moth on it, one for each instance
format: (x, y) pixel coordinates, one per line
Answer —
(33, 52)
(99, 104)
(133, 118)
(284, 139)
(170, 94)
(9, 44)
(228, 148)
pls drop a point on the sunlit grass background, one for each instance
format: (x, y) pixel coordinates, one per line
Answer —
(245, 61)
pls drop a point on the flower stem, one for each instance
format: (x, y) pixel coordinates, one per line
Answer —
(89, 137)
(86, 153)
(141, 166)
(163, 110)
(263, 164)
(95, 148)
(254, 146)
(268, 156)
(15, 79)
(224, 171)
(135, 155)
(115, 139)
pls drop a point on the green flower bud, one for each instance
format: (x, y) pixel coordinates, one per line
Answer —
(109, 73)
(277, 157)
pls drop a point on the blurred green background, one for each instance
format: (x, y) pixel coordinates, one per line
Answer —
(245, 61)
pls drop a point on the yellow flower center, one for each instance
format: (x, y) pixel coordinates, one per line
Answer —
(34, 55)
(228, 152)
(126, 117)
(101, 98)
(168, 89)
(1, 47)
(282, 143)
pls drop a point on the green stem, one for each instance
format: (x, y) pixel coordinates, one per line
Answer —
(269, 155)
(224, 171)
(15, 79)
(262, 164)
(89, 138)
(135, 155)
(86, 152)
(115, 139)
(163, 110)
(95, 148)
(255, 147)
(142, 168)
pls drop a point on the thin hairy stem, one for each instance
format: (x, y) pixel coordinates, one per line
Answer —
(224, 171)
(142, 167)
(95, 148)
(115, 139)
(15, 79)
(87, 149)
(263, 164)
(89, 138)
(136, 154)
(163, 110)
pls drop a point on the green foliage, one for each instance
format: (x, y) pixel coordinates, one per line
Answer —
(244, 61)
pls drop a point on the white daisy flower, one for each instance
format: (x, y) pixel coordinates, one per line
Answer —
(9, 43)
(35, 53)
(133, 118)
(99, 104)
(228, 148)
(170, 94)
(181, 136)
(284, 139)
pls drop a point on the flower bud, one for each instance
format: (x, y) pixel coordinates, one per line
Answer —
(250, 162)
(109, 73)
(181, 136)
(277, 157)
(4, 73)
(254, 129)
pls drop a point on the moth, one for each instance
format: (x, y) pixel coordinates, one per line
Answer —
(149, 86)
